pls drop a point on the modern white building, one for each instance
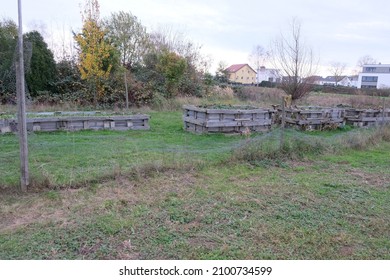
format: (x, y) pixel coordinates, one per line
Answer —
(374, 76)
(269, 75)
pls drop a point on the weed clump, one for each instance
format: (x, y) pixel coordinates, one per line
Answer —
(272, 150)
(298, 145)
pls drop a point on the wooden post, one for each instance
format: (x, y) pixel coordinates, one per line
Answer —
(383, 112)
(126, 89)
(281, 143)
(22, 124)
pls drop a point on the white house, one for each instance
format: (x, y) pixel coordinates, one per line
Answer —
(345, 81)
(354, 80)
(269, 75)
(341, 81)
(374, 76)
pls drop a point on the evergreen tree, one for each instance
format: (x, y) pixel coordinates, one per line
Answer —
(41, 73)
(8, 41)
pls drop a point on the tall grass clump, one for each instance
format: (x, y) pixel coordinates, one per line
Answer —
(270, 148)
(295, 145)
(259, 95)
(361, 139)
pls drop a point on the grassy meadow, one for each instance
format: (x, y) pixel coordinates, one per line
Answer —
(169, 194)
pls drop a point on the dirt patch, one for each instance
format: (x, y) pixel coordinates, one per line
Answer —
(63, 206)
(372, 180)
(29, 209)
(347, 251)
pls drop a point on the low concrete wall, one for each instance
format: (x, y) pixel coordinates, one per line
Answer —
(133, 122)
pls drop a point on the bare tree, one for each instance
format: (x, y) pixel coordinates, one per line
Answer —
(337, 69)
(295, 60)
(259, 56)
(366, 59)
(169, 39)
(221, 74)
(206, 62)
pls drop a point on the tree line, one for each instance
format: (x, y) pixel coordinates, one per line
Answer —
(117, 62)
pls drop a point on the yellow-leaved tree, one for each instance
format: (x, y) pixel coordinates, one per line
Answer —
(94, 50)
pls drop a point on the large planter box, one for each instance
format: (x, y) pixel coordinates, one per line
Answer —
(313, 118)
(133, 122)
(367, 117)
(229, 120)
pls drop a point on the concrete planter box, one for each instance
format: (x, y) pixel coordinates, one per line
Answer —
(133, 122)
(313, 118)
(367, 117)
(229, 120)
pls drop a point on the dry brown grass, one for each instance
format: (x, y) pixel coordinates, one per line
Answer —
(262, 96)
(63, 206)
(226, 92)
(356, 101)
(256, 96)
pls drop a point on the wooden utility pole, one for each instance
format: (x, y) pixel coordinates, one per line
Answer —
(22, 124)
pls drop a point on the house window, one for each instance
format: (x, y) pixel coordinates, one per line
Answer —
(373, 79)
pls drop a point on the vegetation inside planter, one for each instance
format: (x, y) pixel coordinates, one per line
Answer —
(228, 106)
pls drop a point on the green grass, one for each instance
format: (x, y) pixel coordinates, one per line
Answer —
(230, 212)
(376, 158)
(168, 194)
(77, 158)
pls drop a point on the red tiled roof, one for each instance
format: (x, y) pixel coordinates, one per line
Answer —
(235, 67)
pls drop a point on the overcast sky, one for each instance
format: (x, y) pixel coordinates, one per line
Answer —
(337, 30)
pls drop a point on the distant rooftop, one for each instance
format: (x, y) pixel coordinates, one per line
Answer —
(235, 67)
(376, 65)
(333, 78)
